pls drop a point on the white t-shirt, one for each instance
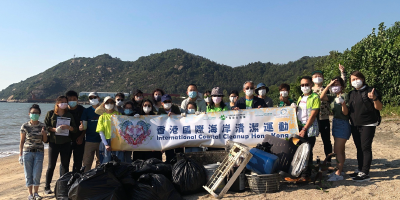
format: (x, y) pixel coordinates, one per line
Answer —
(302, 110)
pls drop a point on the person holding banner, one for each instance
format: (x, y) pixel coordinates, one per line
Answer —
(104, 129)
(284, 99)
(146, 109)
(217, 104)
(233, 97)
(129, 110)
(307, 112)
(59, 138)
(250, 101)
(341, 130)
(192, 92)
(262, 91)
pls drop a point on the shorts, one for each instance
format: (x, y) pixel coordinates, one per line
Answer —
(341, 128)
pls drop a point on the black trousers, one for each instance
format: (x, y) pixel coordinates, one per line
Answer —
(363, 137)
(78, 151)
(325, 130)
(65, 154)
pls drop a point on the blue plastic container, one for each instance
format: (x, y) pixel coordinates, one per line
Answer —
(262, 162)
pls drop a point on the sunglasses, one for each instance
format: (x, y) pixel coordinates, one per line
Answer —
(167, 101)
(207, 96)
(91, 98)
(147, 106)
(218, 95)
(304, 85)
(120, 100)
(252, 88)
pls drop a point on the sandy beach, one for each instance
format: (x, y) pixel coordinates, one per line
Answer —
(384, 184)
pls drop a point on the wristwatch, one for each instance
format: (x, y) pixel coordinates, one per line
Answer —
(304, 129)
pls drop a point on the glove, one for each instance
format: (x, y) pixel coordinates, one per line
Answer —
(136, 115)
(21, 160)
(293, 105)
(197, 113)
(58, 129)
(339, 100)
(183, 114)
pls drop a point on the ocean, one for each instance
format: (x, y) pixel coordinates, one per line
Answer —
(12, 116)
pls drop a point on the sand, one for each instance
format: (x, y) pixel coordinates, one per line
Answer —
(384, 184)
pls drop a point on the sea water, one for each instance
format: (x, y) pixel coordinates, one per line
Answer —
(12, 116)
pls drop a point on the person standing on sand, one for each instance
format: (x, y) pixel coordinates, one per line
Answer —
(261, 92)
(78, 139)
(92, 139)
(31, 151)
(323, 118)
(193, 94)
(156, 96)
(250, 101)
(340, 126)
(364, 106)
(207, 97)
(58, 142)
(233, 97)
(284, 99)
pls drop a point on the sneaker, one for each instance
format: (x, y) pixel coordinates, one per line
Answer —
(355, 173)
(335, 177)
(37, 197)
(48, 191)
(334, 173)
(30, 197)
(361, 177)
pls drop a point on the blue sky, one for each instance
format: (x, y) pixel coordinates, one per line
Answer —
(36, 35)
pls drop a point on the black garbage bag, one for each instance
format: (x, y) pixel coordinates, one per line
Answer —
(61, 189)
(265, 146)
(152, 165)
(188, 176)
(142, 192)
(98, 184)
(163, 187)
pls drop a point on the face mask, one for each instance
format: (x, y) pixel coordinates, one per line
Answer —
(284, 93)
(119, 103)
(167, 106)
(138, 99)
(34, 117)
(191, 111)
(249, 92)
(94, 102)
(109, 106)
(157, 98)
(62, 105)
(192, 94)
(336, 89)
(262, 92)
(232, 99)
(72, 103)
(128, 111)
(357, 83)
(146, 109)
(207, 99)
(217, 100)
(305, 89)
(318, 80)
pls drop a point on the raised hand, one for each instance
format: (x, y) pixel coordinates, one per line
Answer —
(341, 68)
(371, 94)
(332, 82)
(44, 131)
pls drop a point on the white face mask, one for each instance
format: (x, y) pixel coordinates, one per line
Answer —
(232, 99)
(207, 99)
(284, 93)
(305, 89)
(146, 109)
(318, 80)
(119, 103)
(94, 102)
(262, 92)
(249, 92)
(109, 106)
(217, 100)
(357, 83)
(336, 89)
(167, 106)
(191, 111)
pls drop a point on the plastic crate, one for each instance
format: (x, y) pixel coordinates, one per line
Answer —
(263, 183)
(238, 154)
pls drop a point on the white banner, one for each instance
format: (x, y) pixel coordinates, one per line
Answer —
(160, 132)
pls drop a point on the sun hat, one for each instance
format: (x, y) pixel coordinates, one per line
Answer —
(93, 94)
(216, 91)
(166, 97)
(260, 85)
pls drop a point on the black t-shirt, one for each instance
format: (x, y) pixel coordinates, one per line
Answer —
(361, 108)
(77, 113)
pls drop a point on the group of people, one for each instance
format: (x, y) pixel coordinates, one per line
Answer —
(89, 129)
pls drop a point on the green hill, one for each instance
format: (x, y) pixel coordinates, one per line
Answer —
(171, 70)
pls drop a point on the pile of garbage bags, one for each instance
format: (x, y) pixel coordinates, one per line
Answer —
(149, 179)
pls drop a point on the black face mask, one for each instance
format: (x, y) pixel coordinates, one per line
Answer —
(158, 98)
